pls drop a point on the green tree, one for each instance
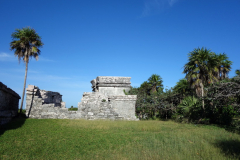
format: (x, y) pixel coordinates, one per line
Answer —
(145, 87)
(224, 65)
(237, 72)
(201, 69)
(26, 43)
(156, 82)
(182, 87)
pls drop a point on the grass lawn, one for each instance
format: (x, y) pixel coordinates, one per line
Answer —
(82, 139)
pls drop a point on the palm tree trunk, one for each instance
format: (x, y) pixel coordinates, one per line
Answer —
(202, 96)
(24, 86)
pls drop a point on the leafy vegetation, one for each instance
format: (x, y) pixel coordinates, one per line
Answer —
(73, 108)
(83, 139)
(206, 95)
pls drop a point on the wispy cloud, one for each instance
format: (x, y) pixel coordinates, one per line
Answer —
(44, 78)
(10, 57)
(15, 71)
(45, 59)
(7, 57)
(152, 7)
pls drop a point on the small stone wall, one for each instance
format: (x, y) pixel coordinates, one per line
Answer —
(107, 101)
(9, 101)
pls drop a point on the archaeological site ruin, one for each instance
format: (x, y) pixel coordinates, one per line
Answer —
(9, 101)
(107, 101)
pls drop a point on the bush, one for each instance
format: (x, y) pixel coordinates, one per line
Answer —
(73, 109)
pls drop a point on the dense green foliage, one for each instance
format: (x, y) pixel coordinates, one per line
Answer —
(205, 95)
(83, 139)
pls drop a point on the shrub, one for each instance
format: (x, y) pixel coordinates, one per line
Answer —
(73, 108)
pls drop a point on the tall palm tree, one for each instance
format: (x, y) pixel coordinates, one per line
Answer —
(201, 69)
(26, 43)
(156, 82)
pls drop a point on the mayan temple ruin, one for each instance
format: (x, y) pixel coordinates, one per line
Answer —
(107, 101)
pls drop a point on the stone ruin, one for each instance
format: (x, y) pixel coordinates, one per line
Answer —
(107, 101)
(9, 101)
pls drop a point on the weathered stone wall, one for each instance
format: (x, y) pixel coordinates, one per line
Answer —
(108, 101)
(111, 85)
(44, 104)
(95, 105)
(9, 101)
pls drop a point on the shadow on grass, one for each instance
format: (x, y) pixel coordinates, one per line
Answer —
(15, 123)
(229, 147)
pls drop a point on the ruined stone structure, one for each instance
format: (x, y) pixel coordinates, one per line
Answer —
(107, 101)
(9, 101)
(43, 104)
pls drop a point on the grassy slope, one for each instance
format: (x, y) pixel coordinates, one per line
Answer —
(81, 139)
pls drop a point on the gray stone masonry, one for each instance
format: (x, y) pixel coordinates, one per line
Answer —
(44, 104)
(107, 101)
(9, 101)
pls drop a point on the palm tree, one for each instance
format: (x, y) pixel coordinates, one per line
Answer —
(201, 69)
(26, 43)
(224, 66)
(156, 82)
(237, 72)
(182, 87)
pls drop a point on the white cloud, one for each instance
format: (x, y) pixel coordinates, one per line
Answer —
(10, 57)
(41, 77)
(4, 55)
(7, 57)
(45, 59)
(152, 7)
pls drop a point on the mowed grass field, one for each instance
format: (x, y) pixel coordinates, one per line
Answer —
(82, 139)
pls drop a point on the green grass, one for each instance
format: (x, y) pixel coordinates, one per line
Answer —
(82, 139)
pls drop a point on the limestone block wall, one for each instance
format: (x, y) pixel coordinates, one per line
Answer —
(45, 104)
(96, 105)
(124, 106)
(9, 101)
(108, 101)
(111, 85)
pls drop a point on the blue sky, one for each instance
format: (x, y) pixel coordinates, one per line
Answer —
(137, 38)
